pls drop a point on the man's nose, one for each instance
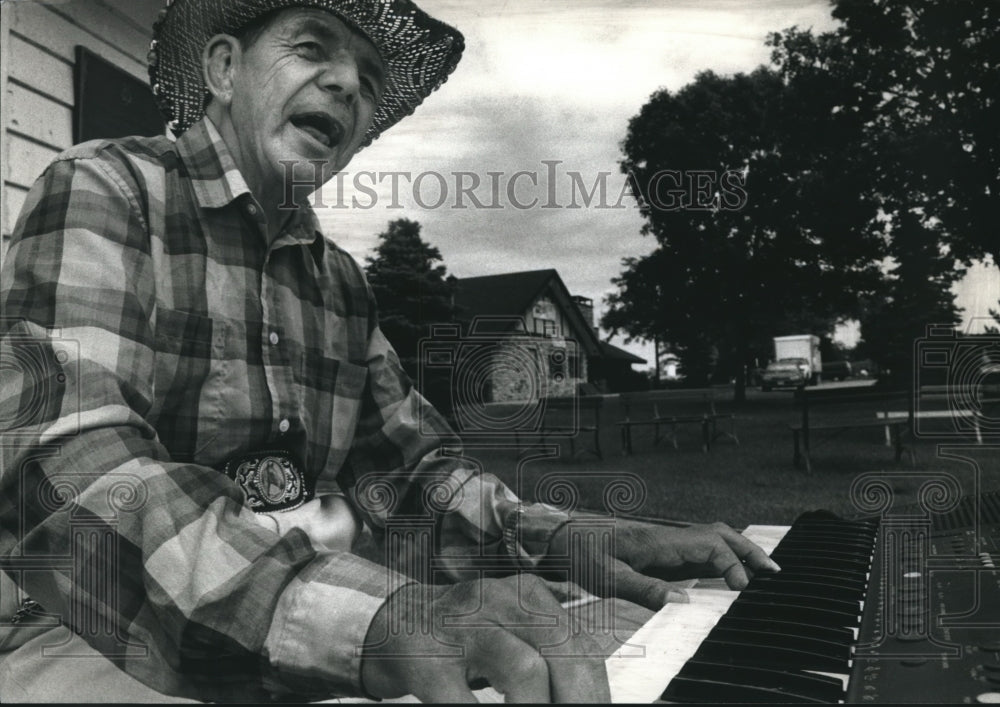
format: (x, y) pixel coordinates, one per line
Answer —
(341, 77)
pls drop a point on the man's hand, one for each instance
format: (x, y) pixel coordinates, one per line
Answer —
(434, 641)
(667, 553)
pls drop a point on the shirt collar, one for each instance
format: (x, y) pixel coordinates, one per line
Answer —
(217, 181)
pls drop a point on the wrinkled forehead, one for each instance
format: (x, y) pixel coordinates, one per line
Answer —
(325, 25)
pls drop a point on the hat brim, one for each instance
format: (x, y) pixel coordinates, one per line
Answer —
(418, 51)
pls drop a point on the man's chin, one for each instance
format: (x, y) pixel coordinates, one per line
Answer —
(305, 169)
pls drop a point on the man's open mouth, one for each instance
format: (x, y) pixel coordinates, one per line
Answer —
(321, 127)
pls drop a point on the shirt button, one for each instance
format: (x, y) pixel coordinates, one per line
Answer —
(273, 338)
(252, 209)
(284, 425)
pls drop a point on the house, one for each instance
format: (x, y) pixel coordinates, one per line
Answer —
(612, 371)
(542, 340)
(70, 70)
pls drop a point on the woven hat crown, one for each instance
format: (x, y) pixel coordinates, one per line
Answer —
(418, 51)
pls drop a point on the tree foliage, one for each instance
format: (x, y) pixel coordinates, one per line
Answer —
(872, 162)
(926, 80)
(411, 287)
(917, 292)
(794, 258)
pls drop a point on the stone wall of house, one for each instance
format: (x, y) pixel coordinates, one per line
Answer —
(527, 369)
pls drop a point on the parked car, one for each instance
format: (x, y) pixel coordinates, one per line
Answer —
(786, 372)
(837, 370)
(866, 368)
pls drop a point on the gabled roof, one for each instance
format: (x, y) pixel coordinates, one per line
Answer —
(613, 353)
(510, 295)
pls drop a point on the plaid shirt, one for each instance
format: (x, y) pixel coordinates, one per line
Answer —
(157, 335)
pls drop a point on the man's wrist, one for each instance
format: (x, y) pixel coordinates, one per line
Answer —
(397, 604)
(528, 532)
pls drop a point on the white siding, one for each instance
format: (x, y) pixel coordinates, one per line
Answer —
(39, 39)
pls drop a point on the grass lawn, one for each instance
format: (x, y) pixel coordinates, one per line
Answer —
(753, 482)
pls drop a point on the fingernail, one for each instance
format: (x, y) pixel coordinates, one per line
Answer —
(775, 567)
(677, 596)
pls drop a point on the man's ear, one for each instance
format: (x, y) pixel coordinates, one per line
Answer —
(218, 63)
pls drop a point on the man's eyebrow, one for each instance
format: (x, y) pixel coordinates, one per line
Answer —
(311, 25)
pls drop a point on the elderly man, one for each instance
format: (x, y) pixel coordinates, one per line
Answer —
(208, 409)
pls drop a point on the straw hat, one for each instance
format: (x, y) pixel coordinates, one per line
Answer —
(419, 52)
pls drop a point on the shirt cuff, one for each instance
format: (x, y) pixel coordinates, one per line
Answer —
(321, 622)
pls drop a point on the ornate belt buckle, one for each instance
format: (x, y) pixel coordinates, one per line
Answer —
(270, 480)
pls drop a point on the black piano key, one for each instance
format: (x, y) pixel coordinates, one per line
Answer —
(796, 614)
(716, 692)
(860, 540)
(839, 528)
(807, 589)
(838, 559)
(820, 570)
(843, 636)
(757, 596)
(854, 586)
(838, 653)
(819, 551)
(862, 551)
(847, 534)
(820, 687)
(831, 530)
(794, 557)
(767, 656)
(820, 517)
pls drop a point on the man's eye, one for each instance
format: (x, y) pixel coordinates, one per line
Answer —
(311, 49)
(368, 88)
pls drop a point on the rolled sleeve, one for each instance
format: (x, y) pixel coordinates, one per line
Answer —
(341, 593)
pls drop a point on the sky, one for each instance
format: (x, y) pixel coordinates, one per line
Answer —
(547, 88)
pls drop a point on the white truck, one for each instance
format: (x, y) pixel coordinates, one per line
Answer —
(797, 361)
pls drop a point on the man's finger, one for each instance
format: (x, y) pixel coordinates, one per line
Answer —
(749, 552)
(574, 659)
(447, 686)
(583, 679)
(728, 564)
(511, 666)
(646, 591)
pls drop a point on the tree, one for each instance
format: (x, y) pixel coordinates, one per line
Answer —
(411, 287)
(918, 293)
(926, 79)
(794, 256)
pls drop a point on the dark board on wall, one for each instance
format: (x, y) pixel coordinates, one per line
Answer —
(111, 102)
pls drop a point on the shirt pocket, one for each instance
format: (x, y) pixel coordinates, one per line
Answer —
(190, 363)
(330, 394)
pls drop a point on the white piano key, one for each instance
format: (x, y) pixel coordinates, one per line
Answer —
(676, 632)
